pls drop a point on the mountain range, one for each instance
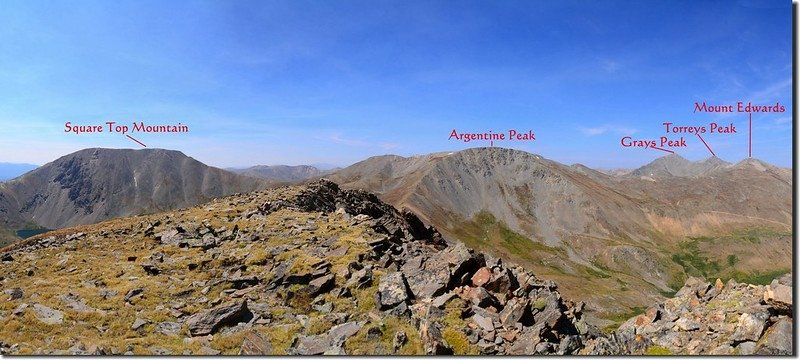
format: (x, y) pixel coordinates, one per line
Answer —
(635, 236)
(282, 173)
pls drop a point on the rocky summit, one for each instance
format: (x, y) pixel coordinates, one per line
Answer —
(315, 269)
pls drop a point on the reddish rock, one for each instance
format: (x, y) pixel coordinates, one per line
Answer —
(482, 276)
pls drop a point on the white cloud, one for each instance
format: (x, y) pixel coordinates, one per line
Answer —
(617, 130)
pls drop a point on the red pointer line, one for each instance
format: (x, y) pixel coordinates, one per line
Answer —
(140, 143)
(750, 140)
(658, 148)
(704, 143)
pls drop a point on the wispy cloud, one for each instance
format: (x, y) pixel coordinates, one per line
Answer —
(338, 138)
(610, 66)
(616, 130)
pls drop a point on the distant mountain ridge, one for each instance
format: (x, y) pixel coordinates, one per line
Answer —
(282, 173)
(93, 185)
(675, 165)
(577, 224)
(9, 171)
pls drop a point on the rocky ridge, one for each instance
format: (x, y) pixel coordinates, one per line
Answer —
(311, 270)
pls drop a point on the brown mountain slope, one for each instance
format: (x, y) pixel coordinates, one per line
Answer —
(92, 185)
(626, 236)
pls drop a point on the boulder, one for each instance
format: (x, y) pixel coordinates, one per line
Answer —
(432, 340)
(426, 277)
(133, 293)
(47, 315)
(777, 340)
(569, 344)
(750, 326)
(321, 285)
(311, 345)
(138, 323)
(19, 310)
(392, 290)
(525, 343)
(482, 276)
(514, 312)
(687, 324)
(208, 321)
(13, 294)
(241, 282)
(339, 333)
(74, 302)
(255, 344)
(501, 282)
(477, 296)
(169, 328)
(484, 322)
(151, 269)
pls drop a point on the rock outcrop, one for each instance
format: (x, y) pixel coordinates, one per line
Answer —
(709, 319)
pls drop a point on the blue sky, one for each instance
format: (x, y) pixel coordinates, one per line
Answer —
(300, 82)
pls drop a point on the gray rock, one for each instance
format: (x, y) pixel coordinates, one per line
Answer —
(133, 293)
(321, 285)
(48, 315)
(551, 315)
(545, 348)
(138, 323)
(724, 349)
(151, 269)
(484, 322)
(751, 326)
(311, 345)
(74, 302)
(255, 344)
(426, 278)
(14, 294)
(513, 312)
(432, 340)
(569, 344)
(339, 333)
(208, 321)
(747, 348)
(361, 278)
(400, 339)
(687, 324)
(777, 340)
(19, 310)
(159, 351)
(336, 351)
(502, 281)
(392, 290)
(168, 328)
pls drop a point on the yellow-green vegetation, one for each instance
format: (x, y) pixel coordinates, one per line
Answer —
(281, 336)
(621, 317)
(453, 331)
(389, 326)
(485, 233)
(103, 266)
(539, 304)
(658, 350)
(711, 257)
